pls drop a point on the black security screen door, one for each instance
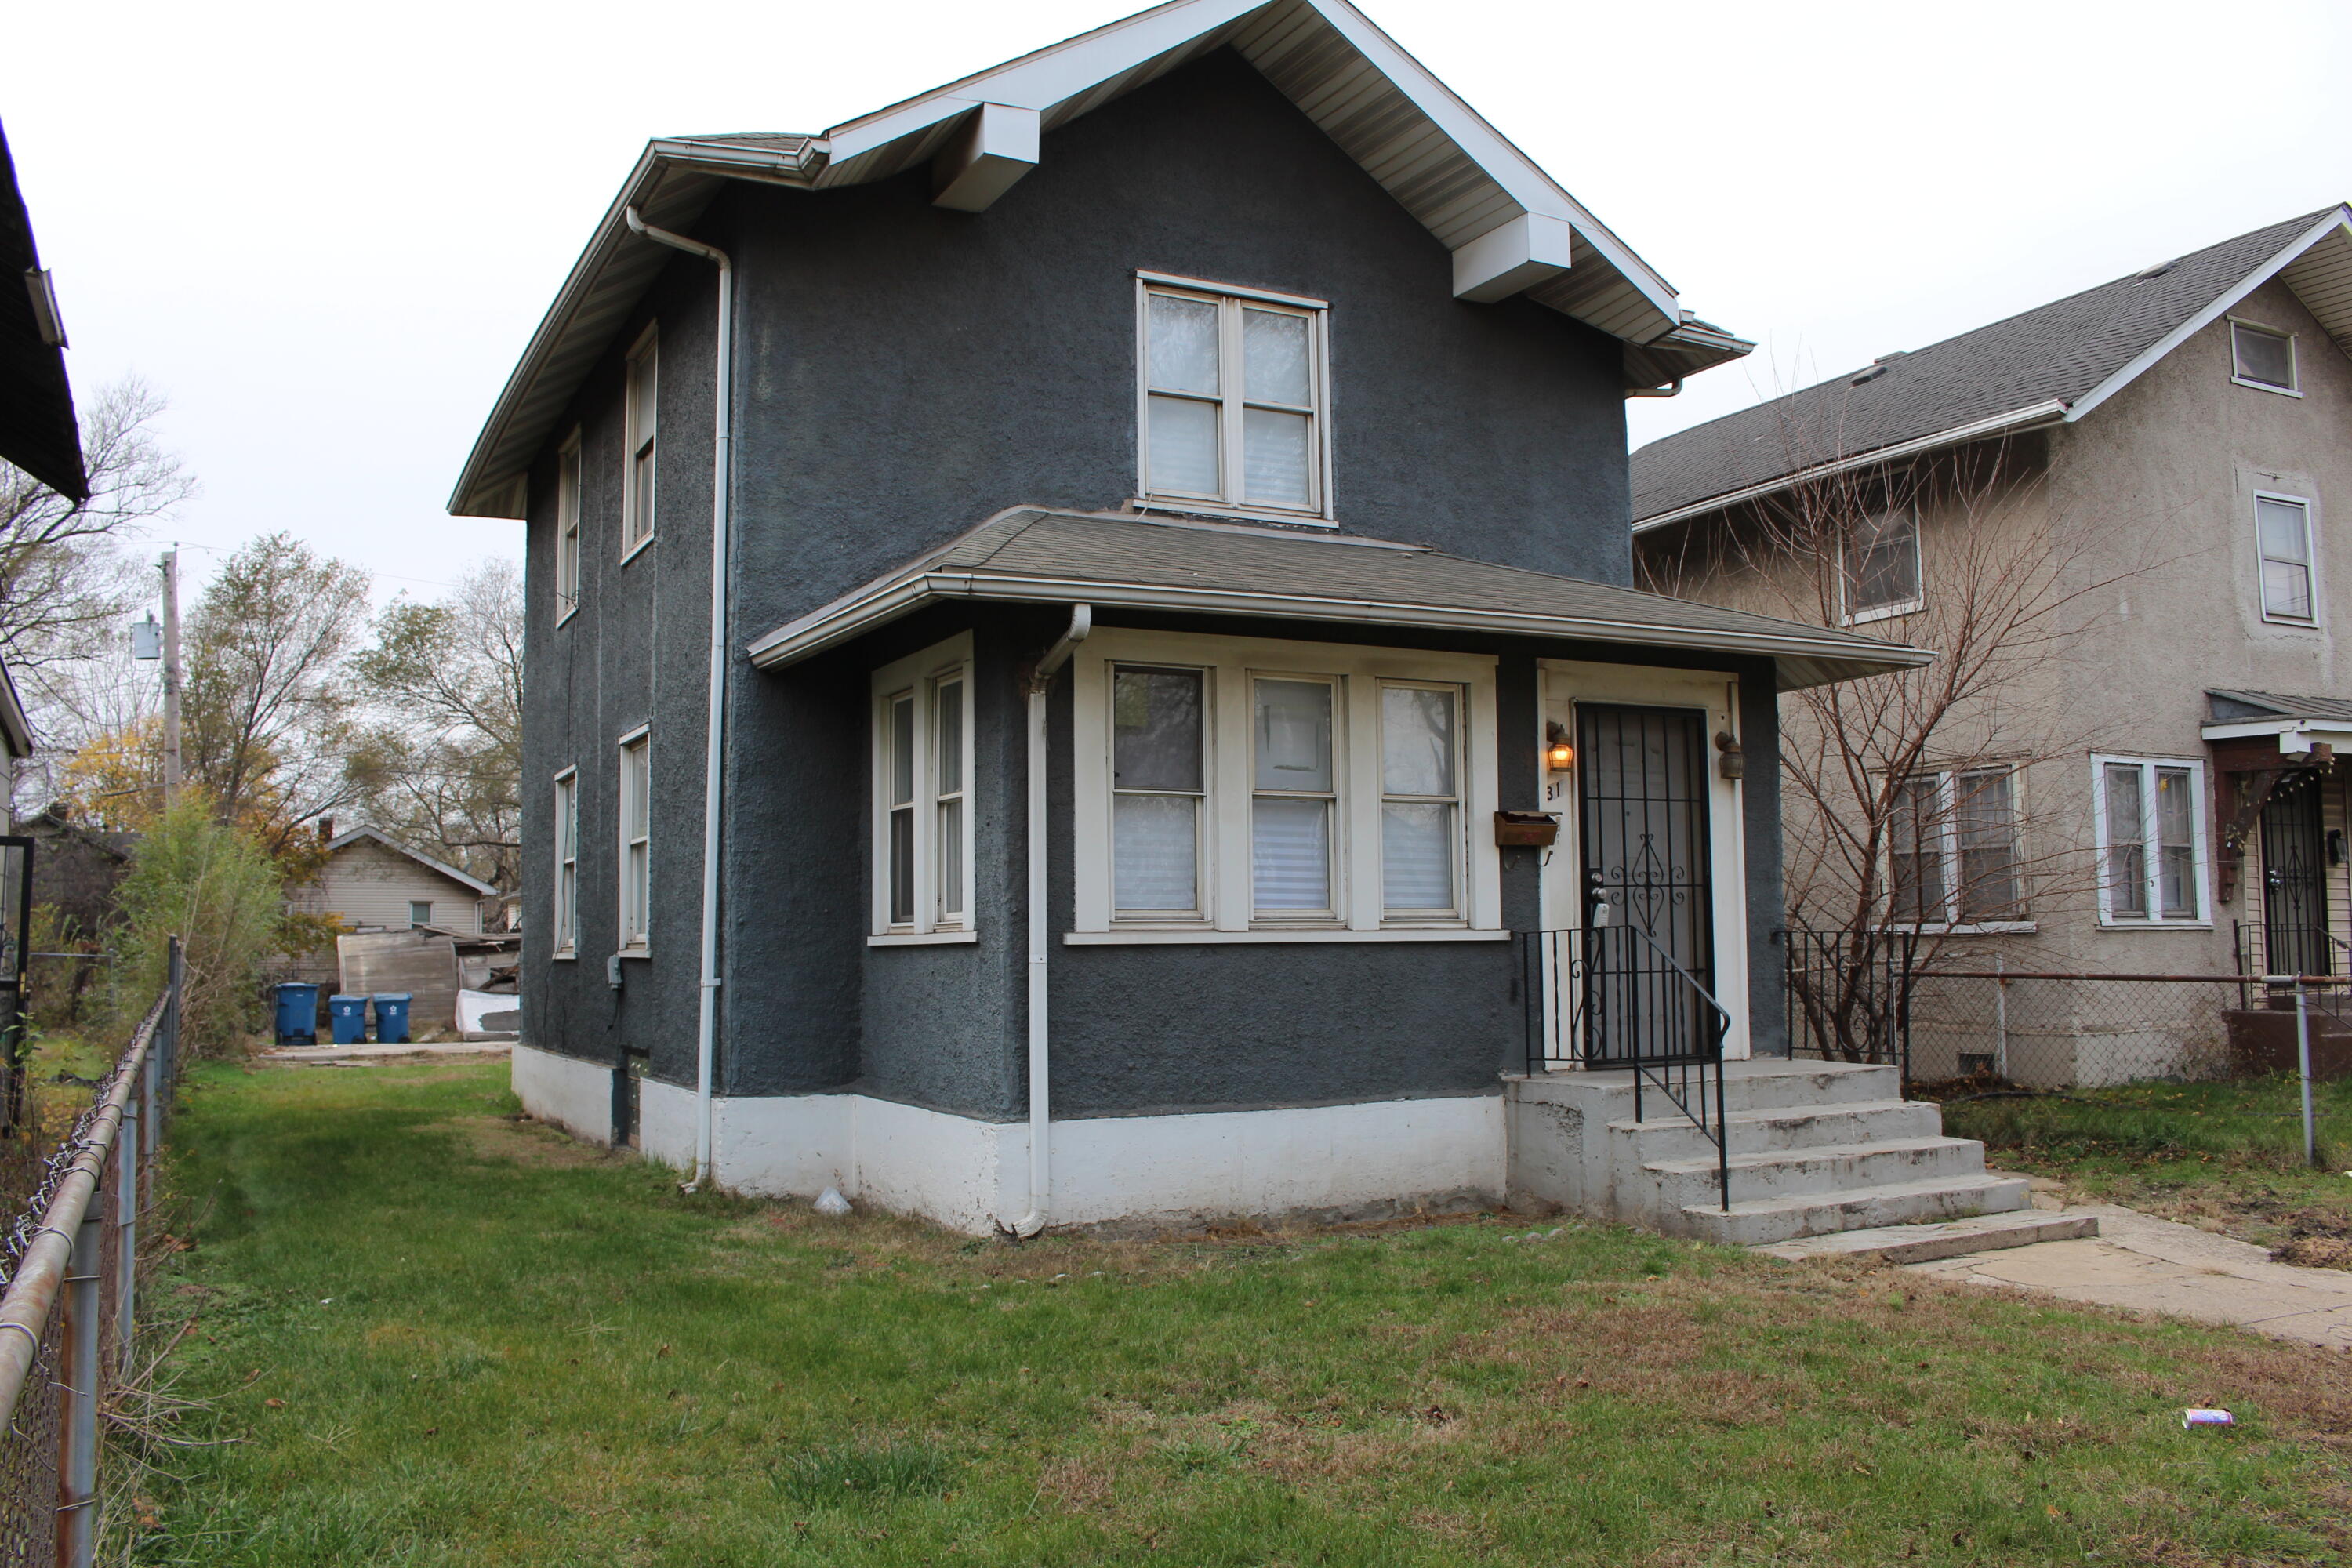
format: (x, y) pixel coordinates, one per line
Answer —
(1644, 787)
(2295, 880)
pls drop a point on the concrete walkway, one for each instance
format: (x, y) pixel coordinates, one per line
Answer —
(2157, 1265)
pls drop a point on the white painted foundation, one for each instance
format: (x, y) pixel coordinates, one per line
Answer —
(968, 1175)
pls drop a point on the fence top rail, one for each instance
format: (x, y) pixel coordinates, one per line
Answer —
(2308, 980)
(33, 1288)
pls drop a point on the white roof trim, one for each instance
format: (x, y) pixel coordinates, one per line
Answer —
(2295, 736)
(455, 875)
(2032, 417)
(2340, 219)
(15, 730)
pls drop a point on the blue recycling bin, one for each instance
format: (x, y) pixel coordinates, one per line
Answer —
(391, 1018)
(297, 1013)
(349, 1017)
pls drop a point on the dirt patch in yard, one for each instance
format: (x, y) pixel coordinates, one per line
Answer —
(525, 1141)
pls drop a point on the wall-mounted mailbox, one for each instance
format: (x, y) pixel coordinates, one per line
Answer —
(1526, 829)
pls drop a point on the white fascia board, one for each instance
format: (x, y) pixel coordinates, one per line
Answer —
(992, 153)
(830, 627)
(15, 730)
(2295, 736)
(2212, 313)
(2032, 417)
(1517, 254)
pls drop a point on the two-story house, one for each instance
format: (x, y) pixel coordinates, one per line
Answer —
(1078, 620)
(2152, 786)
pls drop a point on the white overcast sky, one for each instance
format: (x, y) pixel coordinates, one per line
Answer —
(324, 233)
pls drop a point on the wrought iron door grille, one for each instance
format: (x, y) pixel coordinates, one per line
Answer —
(2294, 882)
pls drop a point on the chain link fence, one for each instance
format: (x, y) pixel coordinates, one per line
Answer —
(69, 1319)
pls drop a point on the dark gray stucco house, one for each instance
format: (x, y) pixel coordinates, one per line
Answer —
(1124, 524)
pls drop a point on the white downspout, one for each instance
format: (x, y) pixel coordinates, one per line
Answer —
(1041, 1169)
(705, 1039)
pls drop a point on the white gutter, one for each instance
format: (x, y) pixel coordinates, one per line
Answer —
(1040, 1168)
(714, 755)
(2032, 417)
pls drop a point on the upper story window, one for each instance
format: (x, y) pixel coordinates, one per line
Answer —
(2151, 838)
(2283, 536)
(567, 529)
(1952, 849)
(636, 842)
(1881, 570)
(640, 418)
(923, 880)
(1233, 391)
(2261, 357)
(567, 863)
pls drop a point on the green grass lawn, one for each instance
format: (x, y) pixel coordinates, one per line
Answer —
(2228, 1156)
(432, 1335)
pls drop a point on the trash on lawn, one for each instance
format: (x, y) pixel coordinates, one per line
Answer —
(2206, 1418)
(830, 1202)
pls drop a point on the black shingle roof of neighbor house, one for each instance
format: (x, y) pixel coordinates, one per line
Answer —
(2223, 707)
(1035, 556)
(37, 414)
(2056, 354)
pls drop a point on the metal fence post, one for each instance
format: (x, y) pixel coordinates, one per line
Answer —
(77, 1382)
(126, 1230)
(1999, 1018)
(2302, 1065)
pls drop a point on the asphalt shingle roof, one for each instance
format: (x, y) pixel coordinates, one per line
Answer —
(1040, 556)
(2225, 707)
(2060, 352)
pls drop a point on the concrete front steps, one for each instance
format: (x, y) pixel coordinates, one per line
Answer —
(1814, 1147)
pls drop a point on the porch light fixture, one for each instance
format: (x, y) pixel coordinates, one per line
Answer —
(1559, 755)
(1731, 765)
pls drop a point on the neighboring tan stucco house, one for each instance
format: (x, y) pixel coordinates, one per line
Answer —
(1024, 674)
(371, 883)
(2187, 433)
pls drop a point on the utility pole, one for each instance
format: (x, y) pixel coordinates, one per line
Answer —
(170, 677)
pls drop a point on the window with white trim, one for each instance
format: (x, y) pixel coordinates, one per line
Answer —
(567, 863)
(2283, 540)
(641, 420)
(2261, 357)
(923, 879)
(2151, 828)
(567, 529)
(636, 842)
(1881, 574)
(1952, 850)
(1251, 785)
(420, 911)
(1233, 394)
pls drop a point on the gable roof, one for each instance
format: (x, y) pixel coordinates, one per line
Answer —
(2049, 365)
(344, 839)
(1030, 555)
(38, 431)
(1511, 227)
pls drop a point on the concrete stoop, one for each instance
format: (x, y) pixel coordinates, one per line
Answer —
(1815, 1148)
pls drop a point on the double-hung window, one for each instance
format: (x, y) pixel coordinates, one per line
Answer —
(1881, 570)
(567, 529)
(567, 863)
(1238, 786)
(1952, 850)
(2151, 839)
(1234, 393)
(923, 879)
(2283, 538)
(2261, 357)
(641, 420)
(636, 842)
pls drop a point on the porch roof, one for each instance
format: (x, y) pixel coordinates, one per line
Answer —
(1031, 555)
(2299, 723)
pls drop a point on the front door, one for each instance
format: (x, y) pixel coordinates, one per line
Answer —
(2295, 880)
(1643, 809)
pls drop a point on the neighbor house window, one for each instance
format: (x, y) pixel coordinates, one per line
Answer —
(637, 841)
(420, 911)
(567, 863)
(1233, 399)
(2283, 536)
(923, 879)
(2152, 840)
(1238, 785)
(1952, 850)
(567, 529)
(1881, 570)
(641, 418)
(2261, 357)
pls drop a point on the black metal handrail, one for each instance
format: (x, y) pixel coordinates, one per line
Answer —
(1603, 997)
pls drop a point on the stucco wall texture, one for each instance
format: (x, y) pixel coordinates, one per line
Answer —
(906, 372)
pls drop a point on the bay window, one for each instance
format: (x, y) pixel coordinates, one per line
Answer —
(2151, 828)
(923, 881)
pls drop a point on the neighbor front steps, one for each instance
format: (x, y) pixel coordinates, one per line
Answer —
(1815, 1147)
